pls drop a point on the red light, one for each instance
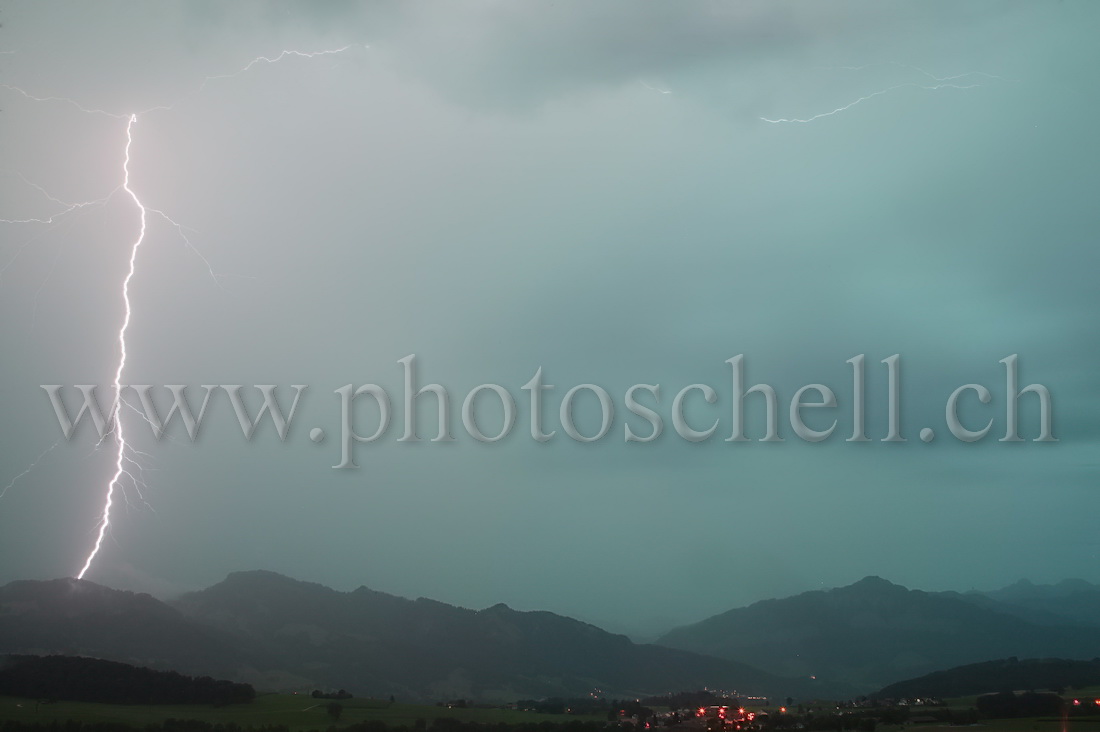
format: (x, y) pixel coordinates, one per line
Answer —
(1076, 702)
(1097, 702)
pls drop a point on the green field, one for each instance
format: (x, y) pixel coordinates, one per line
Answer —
(298, 712)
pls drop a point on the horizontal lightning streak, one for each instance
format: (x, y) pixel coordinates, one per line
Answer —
(862, 99)
(69, 208)
(63, 100)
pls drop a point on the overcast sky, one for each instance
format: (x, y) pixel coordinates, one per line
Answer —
(590, 188)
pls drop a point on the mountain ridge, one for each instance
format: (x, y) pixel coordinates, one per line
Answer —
(280, 633)
(277, 632)
(874, 632)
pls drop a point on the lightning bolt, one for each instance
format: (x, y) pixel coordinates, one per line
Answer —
(50, 220)
(941, 82)
(651, 87)
(29, 468)
(120, 438)
(53, 218)
(267, 60)
(124, 451)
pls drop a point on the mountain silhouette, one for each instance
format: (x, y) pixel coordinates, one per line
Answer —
(874, 632)
(280, 633)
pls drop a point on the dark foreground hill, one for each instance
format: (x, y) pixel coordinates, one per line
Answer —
(873, 633)
(1010, 674)
(71, 678)
(279, 633)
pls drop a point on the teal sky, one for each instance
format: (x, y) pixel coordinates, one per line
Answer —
(593, 189)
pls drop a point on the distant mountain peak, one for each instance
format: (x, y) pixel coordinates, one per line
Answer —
(263, 579)
(257, 575)
(873, 580)
(873, 585)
